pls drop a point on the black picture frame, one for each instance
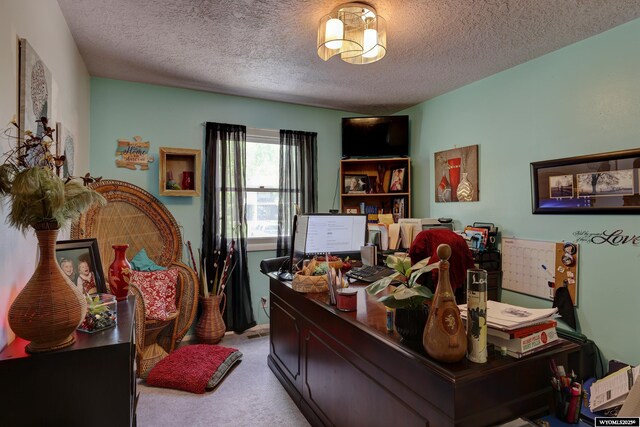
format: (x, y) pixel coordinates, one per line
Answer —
(356, 184)
(397, 180)
(605, 183)
(81, 250)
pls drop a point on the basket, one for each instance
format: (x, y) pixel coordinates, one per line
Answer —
(310, 284)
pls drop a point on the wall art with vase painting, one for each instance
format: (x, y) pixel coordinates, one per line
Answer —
(456, 175)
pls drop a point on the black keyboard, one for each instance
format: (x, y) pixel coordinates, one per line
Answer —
(370, 273)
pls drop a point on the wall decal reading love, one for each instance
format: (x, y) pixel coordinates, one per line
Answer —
(613, 238)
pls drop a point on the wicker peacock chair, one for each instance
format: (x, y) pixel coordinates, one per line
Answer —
(135, 217)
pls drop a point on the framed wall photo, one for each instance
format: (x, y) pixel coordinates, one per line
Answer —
(356, 184)
(80, 262)
(397, 181)
(591, 184)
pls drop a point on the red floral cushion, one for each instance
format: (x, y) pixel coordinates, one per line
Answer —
(158, 290)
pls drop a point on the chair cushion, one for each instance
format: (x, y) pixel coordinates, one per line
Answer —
(158, 290)
(142, 262)
(194, 368)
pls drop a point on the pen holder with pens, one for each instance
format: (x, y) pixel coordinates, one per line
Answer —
(567, 399)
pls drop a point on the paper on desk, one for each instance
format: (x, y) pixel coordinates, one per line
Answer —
(612, 390)
(508, 317)
(631, 405)
(394, 236)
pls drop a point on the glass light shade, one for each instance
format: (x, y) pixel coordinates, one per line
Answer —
(350, 39)
(334, 31)
(355, 32)
(370, 43)
(374, 43)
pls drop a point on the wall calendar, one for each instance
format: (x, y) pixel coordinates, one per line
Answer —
(538, 268)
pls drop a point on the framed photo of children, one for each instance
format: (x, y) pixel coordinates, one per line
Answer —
(592, 184)
(80, 261)
(356, 184)
(397, 181)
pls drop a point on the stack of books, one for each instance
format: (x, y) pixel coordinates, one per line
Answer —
(520, 330)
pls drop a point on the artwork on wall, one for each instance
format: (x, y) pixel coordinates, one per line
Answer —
(598, 183)
(456, 175)
(65, 146)
(35, 89)
(133, 154)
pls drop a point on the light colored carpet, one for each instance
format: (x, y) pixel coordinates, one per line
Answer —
(250, 395)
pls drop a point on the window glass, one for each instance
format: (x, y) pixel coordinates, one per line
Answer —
(263, 180)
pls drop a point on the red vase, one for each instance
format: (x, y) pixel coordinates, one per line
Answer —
(454, 177)
(187, 180)
(119, 273)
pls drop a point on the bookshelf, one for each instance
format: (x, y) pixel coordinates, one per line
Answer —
(376, 185)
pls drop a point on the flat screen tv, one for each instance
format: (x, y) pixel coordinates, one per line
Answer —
(382, 136)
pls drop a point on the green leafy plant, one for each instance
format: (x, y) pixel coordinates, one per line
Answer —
(28, 179)
(407, 294)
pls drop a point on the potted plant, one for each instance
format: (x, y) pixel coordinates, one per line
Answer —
(49, 308)
(408, 297)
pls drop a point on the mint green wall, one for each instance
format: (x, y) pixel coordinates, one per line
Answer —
(582, 99)
(170, 117)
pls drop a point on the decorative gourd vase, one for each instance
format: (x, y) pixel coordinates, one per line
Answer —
(465, 189)
(211, 328)
(120, 273)
(444, 336)
(454, 176)
(410, 323)
(49, 308)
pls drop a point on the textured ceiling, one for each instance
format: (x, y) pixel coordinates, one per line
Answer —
(267, 48)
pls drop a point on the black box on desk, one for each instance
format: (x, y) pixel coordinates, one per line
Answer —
(487, 260)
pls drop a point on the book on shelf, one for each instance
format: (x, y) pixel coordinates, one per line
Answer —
(522, 332)
(527, 343)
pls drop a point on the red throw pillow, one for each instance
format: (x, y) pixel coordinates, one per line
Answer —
(158, 290)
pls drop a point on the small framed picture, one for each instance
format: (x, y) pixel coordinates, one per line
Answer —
(80, 262)
(397, 181)
(399, 208)
(352, 210)
(356, 184)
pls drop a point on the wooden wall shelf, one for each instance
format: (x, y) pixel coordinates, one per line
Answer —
(174, 164)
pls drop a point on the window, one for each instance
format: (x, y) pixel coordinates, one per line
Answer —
(262, 188)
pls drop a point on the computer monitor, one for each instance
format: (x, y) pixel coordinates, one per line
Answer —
(317, 234)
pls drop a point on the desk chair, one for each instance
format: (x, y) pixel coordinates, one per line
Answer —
(425, 245)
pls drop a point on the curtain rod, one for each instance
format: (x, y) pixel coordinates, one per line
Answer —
(249, 127)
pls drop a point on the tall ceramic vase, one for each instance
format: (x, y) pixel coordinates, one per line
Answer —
(119, 273)
(49, 308)
(444, 336)
(211, 328)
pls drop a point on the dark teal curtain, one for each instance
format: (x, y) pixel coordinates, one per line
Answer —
(298, 181)
(225, 217)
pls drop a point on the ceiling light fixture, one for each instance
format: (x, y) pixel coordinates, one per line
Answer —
(355, 32)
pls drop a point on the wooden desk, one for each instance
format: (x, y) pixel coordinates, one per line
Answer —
(344, 369)
(91, 382)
